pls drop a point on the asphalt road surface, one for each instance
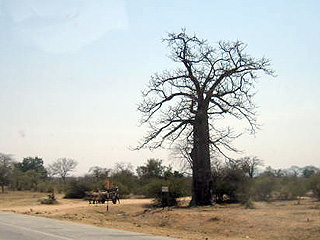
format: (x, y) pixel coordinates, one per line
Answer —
(23, 227)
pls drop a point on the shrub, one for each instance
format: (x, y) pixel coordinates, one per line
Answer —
(126, 181)
(178, 187)
(51, 199)
(289, 188)
(124, 190)
(231, 185)
(46, 187)
(263, 187)
(314, 185)
(248, 204)
(77, 188)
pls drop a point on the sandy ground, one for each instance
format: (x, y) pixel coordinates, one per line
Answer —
(276, 220)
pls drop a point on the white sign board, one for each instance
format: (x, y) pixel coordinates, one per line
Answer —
(165, 189)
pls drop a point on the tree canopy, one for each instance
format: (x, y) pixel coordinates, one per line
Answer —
(35, 164)
(62, 167)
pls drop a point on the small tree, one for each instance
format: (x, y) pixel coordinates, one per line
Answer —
(310, 171)
(6, 163)
(99, 173)
(250, 165)
(62, 167)
(152, 169)
(124, 177)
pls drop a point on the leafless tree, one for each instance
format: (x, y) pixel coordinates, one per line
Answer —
(62, 167)
(186, 104)
(123, 167)
(250, 165)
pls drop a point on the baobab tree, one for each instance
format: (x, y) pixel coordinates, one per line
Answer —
(185, 104)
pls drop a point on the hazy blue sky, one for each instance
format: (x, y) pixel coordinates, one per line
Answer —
(71, 73)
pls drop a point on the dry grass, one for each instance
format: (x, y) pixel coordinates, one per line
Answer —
(276, 220)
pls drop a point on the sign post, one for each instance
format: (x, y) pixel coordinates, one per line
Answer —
(165, 189)
(165, 193)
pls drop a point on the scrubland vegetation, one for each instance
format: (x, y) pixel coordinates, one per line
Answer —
(247, 203)
(234, 181)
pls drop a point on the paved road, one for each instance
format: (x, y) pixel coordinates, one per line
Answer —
(23, 227)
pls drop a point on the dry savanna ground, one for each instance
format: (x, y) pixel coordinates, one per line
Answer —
(275, 220)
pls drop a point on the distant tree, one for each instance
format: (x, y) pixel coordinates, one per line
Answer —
(152, 169)
(269, 171)
(310, 171)
(35, 164)
(27, 174)
(169, 173)
(123, 167)
(185, 104)
(6, 165)
(62, 167)
(294, 171)
(99, 173)
(250, 165)
(124, 177)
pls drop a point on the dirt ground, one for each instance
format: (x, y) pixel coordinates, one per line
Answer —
(275, 220)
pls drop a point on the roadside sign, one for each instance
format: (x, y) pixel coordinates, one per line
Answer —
(165, 189)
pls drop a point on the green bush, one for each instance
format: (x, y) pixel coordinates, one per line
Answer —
(126, 181)
(123, 189)
(77, 188)
(46, 187)
(289, 188)
(263, 187)
(230, 185)
(178, 187)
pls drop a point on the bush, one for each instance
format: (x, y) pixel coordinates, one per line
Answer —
(263, 187)
(45, 187)
(51, 199)
(289, 188)
(77, 188)
(248, 204)
(123, 189)
(178, 187)
(231, 185)
(314, 185)
(126, 181)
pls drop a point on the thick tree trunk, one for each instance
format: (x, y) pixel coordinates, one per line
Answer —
(202, 176)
